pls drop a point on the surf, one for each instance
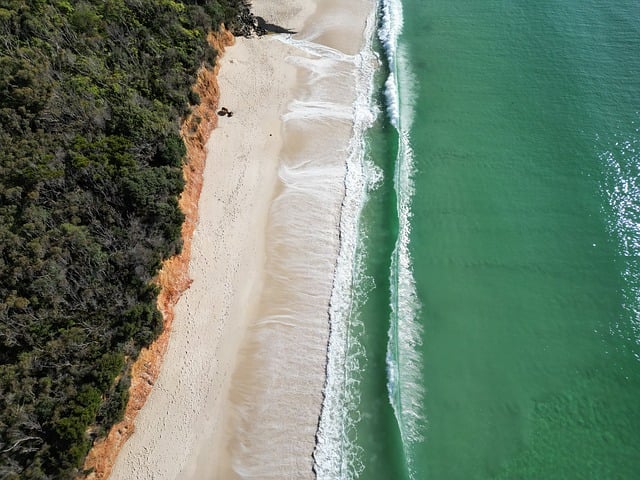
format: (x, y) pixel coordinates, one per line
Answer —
(404, 363)
(337, 455)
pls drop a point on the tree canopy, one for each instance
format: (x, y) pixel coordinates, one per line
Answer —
(92, 93)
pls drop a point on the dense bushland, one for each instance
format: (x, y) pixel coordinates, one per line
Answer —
(92, 94)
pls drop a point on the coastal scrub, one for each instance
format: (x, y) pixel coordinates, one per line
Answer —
(92, 98)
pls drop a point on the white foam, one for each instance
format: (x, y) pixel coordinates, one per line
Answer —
(316, 188)
(389, 33)
(404, 362)
(337, 456)
(318, 109)
(321, 52)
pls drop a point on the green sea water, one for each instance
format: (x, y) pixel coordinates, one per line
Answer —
(524, 246)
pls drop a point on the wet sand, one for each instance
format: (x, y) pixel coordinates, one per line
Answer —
(240, 390)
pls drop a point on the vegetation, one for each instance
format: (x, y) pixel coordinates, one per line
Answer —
(92, 93)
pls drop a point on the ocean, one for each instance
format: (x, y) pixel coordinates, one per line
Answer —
(489, 323)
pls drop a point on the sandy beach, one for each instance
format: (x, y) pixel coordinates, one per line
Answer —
(239, 393)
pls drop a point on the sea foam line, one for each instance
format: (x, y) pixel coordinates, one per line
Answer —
(336, 455)
(404, 362)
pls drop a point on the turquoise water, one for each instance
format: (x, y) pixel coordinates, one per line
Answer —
(520, 356)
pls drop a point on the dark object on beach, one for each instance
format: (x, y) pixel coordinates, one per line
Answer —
(229, 114)
(223, 111)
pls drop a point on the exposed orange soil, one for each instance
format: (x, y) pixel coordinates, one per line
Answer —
(173, 278)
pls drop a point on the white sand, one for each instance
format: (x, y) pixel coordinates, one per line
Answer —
(212, 411)
(226, 266)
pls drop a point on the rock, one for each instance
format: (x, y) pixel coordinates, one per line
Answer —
(245, 24)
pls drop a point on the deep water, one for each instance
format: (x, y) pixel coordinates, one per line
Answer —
(522, 120)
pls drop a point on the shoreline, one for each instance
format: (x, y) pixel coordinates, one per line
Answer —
(278, 390)
(173, 278)
(241, 387)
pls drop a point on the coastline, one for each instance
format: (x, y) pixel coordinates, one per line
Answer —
(278, 390)
(184, 412)
(241, 386)
(173, 278)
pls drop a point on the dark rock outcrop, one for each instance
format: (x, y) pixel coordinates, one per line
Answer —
(245, 24)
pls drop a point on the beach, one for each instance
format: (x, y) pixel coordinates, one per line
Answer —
(239, 393)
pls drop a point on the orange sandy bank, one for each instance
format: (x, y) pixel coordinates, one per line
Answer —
(173, 278)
